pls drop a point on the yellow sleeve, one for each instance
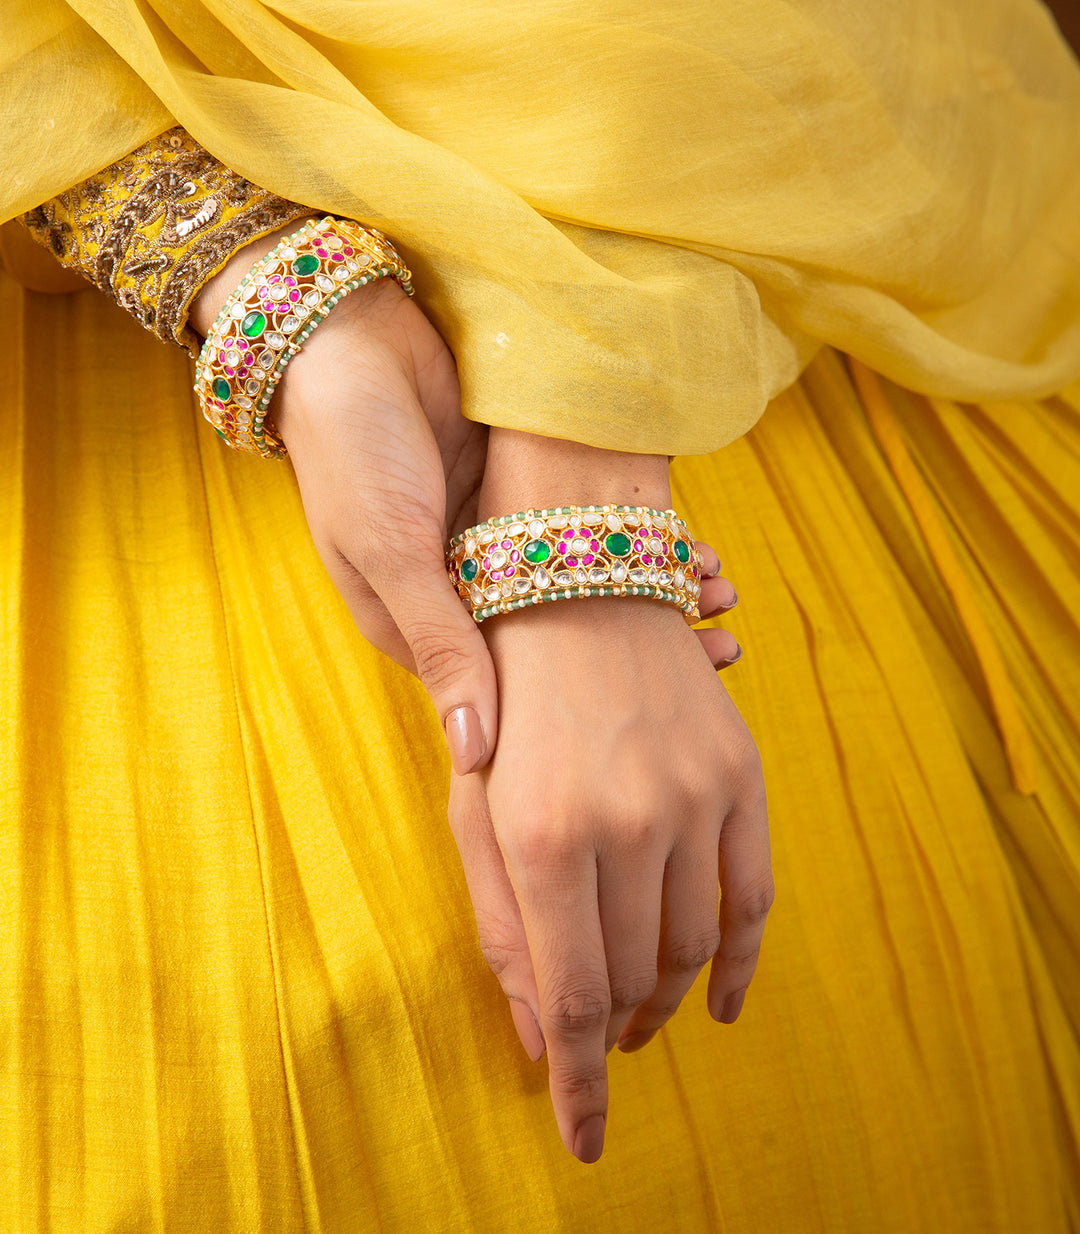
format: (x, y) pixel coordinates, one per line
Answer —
(150, 229)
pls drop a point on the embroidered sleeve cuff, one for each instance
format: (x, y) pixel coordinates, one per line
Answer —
(154, 227)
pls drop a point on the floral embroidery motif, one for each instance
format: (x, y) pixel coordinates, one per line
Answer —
(155, 226)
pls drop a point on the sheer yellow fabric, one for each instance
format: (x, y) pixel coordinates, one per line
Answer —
(239, 982)
(633, 223)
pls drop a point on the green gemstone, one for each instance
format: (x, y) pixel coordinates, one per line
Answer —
(470, 568)
(682, 551)
(306, 264)
(253, 324)
(617, 544)
(536, 551)
(222, 389)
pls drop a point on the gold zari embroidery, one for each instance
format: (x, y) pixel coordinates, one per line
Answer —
(154, 227)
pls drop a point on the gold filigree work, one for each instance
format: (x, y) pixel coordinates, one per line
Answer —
(151, 229)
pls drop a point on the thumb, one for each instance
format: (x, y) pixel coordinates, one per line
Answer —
(450, 654)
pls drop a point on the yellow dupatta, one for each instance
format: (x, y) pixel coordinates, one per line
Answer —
(635, 224)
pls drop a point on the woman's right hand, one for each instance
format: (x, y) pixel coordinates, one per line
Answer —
(625, 790)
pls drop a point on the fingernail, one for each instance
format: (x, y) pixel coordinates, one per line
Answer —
(714, 573)
(528, 1031)
(736, 657)
(733, 601)
(465, 737)
(589, 1139)
(729, 1013)
(635, 1041)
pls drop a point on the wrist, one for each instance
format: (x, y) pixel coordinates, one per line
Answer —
(526, 471)
(213, 294)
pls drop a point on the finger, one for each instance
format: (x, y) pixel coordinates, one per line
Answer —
(557, 893)
(498, 921)
(450, 654)
(372, 618)
(630, 889)
(746, 896)
(689, 937)
(717, 596)
(710, 562)
(721, 646)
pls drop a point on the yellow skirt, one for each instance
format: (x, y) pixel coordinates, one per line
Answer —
(240, 984)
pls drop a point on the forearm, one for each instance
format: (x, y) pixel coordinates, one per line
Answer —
(524, 470)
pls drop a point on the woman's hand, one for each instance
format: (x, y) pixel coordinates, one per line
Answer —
(388, 469)
(624, 790)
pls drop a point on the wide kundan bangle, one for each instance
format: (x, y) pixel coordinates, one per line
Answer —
(270, 316)
(571, 552)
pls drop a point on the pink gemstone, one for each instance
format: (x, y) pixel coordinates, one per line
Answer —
(290, 281)
(508, 544)
(496, 574)
(646, 559)
(262, 290)
(510, 571)
(588, 559)
(562, 546)
(294, 296)
(269, 307)
(348, 251)
(321, 252)
(571, 561)
(594, 545)
(242, 344)
(230, 372)
(273, 278)
(638, 546)
(487, 564)
(515, 556)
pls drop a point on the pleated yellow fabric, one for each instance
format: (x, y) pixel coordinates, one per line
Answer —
(634, 224)
(239, 980)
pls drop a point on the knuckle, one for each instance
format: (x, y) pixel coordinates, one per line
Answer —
(589, 1083)
(580, 1011)
(753, 906)
(692, 954)
(439, 660)
(745, 960)
(502, 948)
(632, 991)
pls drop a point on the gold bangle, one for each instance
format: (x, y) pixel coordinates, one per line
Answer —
(269, 317)
(572, 552)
